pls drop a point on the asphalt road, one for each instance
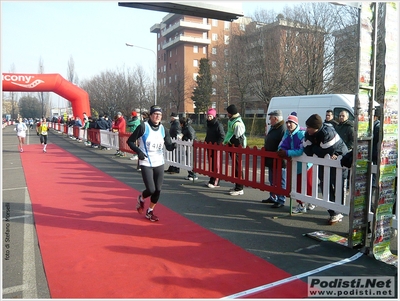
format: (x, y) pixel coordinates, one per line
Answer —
(271, 234)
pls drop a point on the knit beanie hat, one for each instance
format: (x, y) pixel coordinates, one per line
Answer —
(314, 121)
(293, 118)
(232, 110)
(212, 112)
(134, 114)
(154, 109)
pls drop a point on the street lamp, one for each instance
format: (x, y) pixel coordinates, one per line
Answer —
(155, 73)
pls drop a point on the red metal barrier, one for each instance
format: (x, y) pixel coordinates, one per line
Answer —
(251, 162)
(123, 146)
(93, 135)
(76, 131)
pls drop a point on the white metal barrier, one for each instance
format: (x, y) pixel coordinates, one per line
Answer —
(324, 201)
(182, 156)
(109, 139)
(70, 131)
(341, 204)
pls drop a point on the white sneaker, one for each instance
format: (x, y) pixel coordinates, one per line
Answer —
(300, 209)
(209, 185)
(236, 192)
(336, 218)
(311, 207)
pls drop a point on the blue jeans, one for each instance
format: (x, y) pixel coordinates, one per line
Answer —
(277, 198)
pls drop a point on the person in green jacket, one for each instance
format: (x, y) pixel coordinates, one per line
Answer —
(133, 124)
(235, 136)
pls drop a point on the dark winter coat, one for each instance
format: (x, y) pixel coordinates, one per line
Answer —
(215, 131)
(273, 139)
(188, 132)
(102, 124)
(325, 141)
(175, 128)
(346, 132)
(375, 141)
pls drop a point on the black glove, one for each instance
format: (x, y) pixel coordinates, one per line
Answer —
(281, 153)
(141, 156)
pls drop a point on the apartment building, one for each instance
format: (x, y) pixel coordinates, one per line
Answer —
(181, 42)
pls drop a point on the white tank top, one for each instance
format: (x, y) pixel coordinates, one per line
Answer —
(152, 145)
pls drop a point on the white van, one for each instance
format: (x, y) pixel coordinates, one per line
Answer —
(306, 105)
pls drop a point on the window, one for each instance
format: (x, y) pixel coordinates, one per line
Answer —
(195, 76)
(195, 63)
(227, 25)
(214, 22)
(170, 53)
(214, 64)
(214, 91)
(214, 37)
(214, 50)
(226, 40)
(170, 79)
(213, 77)
(204, 50)
(195, 49)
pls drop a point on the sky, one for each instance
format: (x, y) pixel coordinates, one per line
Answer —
(92, 33)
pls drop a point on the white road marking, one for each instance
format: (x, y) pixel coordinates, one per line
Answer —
(29, 266)
(286, 280)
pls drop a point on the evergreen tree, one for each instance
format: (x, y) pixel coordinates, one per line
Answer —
(30, 106)
(202, 92)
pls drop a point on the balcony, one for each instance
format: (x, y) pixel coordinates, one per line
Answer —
(184, 39)
(155, 28)
(184, 25)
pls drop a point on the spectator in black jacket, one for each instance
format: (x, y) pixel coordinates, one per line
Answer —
(329, 118)
(174, 131)
(215, 134)
(101, 123)
(272, 139)
(345, 129)
(322, 139)
(188, 133)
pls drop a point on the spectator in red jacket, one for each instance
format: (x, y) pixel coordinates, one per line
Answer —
(120, 124)
(120, 127)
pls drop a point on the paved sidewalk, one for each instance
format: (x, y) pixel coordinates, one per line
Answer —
(271, 234)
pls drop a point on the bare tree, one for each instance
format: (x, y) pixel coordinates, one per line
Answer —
(181, 88)
(124, 91)
(43, 97)
(310, 49)
(71, 70)
(239, 68)
(13, 99)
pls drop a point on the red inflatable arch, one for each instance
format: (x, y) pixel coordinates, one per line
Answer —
(49, 83)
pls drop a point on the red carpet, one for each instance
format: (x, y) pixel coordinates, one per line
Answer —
(95, 245)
